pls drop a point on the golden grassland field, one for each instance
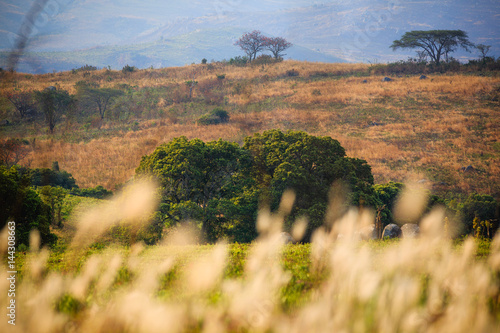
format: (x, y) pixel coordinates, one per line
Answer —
(407, 129)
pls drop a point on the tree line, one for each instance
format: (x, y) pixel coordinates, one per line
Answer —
(221, 186)
(52, 103)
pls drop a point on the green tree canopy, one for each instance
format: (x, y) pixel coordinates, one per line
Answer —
(435, 43)
(53, 103)
(21, 204)
(308, 165)
(205, 182)
(220, 183)
(94, 97)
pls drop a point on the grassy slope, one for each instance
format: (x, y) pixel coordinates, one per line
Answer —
(427, 129)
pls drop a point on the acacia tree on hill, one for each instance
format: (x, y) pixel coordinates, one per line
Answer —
(53, 103)
(101, 98)
(435, 43)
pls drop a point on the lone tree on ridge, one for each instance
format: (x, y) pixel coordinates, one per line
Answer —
(435, 43)
(252, 43)
(277, 45)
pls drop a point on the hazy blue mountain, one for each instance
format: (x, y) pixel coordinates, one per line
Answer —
(170, 32)
(212, 44)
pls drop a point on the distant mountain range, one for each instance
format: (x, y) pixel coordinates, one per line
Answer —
(69, 34)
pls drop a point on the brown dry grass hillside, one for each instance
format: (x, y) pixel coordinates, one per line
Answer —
(407, 129)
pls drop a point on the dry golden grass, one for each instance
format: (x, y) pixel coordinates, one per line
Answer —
(429, 129)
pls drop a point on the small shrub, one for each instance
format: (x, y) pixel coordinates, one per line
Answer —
(316, 92)
(204, 61)
(97, 192)
(128, 69)
(238, 61)
(216, 116)
(264, 59)
(292, 72)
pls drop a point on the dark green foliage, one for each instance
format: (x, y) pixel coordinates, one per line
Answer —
(97, 192)
(204, 61)
(309, 166)
(9, 184)
(54, 198)
(214, 117)
(53, 103)
(482, 206)
(434, 43)
(85, 68)
(91, 97)
(128, 69)
(238, 61)
(22, 205)
(204, 182)
(387, 195)
(220, 184)
(45, 176)
(69, 305)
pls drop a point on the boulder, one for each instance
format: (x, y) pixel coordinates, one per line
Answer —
(468, 168)
(386, 79)
(391, 231)
(423, 77)
(410, 230)
(287, 238)
(367, 233)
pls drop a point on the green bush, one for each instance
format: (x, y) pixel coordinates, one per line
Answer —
(214, 117)
(97, 192)
(238, 61)
(50, 177)
(128, 69)
(481, 206)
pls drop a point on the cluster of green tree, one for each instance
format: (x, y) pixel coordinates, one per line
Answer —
(221, 185)
(52, 104)
(23, 205)
(34, 198)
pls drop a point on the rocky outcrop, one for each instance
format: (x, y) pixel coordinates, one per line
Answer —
(391, 231)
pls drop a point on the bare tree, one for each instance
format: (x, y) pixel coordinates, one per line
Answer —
(484, 49)
(12, 151)
(23, 102)
(252, 43)
(277, 45)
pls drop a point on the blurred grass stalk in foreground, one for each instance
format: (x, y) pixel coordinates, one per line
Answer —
(412, 285)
